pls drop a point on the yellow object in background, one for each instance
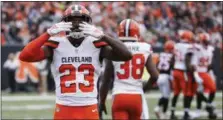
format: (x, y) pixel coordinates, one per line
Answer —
(146, 75)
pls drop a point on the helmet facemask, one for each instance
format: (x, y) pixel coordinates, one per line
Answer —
(76, 19)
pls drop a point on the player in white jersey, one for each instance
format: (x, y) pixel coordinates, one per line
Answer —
(183, 73)
(76, 49)
(165, 65)
(203, 60)
(128, 100)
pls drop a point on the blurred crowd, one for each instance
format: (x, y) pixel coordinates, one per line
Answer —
(159, 21)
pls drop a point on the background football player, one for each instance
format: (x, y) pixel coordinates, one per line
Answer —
(165, 65)
(127, 91)
(75, 48)
(183, 73)
(203, 64)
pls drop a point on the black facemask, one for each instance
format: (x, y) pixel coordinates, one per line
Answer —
(76, 20)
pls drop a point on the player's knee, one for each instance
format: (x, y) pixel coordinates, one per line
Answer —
(176, 93)
(213, 89)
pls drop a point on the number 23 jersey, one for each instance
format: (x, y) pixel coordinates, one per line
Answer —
(75, 70)
(128, 74)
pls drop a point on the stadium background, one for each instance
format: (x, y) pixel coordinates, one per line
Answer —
(21, 22)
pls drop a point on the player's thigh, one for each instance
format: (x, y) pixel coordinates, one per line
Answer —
(189, 86)
(166, 89)
(127, 103)
(119, 111)
(91, 112)
(135, 107)
(208, 82)
(76, 112)
(62, 112)
(120, 115)
(177, 81)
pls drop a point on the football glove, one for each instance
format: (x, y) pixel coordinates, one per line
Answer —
(91, 30)
(59, 27)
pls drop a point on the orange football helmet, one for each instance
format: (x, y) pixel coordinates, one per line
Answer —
(76, 14)
(128, 30)
(77, 11)
(203, 37)
(169, 46)
(186, 35)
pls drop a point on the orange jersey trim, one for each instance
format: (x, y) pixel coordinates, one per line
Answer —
(99, 44)
(52, 44)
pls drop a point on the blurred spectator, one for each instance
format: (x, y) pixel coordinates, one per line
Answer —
(11, 66)
(43, 72)
(24, 21)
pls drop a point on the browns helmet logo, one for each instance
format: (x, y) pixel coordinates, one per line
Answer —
(128, 30)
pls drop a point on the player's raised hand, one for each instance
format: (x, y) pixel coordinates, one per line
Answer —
(59, 27)
(91, 30)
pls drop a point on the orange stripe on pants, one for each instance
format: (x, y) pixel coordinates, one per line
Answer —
(127, 106)
(76, 112)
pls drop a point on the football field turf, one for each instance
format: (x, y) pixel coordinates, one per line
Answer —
(34, 106)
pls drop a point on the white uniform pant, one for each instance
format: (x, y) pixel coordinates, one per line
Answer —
(164, 85)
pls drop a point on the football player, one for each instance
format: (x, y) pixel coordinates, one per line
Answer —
(165, 65)
(183, 73)
(203, 66)
(76, 49)
(128, 100)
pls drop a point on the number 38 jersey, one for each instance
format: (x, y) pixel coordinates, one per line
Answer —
(75, 70)
(128, 74)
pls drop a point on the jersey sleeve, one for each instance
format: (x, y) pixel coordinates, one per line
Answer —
(148, 48)
(100, 43)
(52, 42)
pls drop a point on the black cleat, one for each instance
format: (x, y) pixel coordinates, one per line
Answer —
(187, 117)
(211, 113)
(173, 117)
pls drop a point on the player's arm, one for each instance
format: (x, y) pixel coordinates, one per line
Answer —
(191, 68)
(114, 50)
(107, 80)
(151, 68)
(188, 59)
(34, 51)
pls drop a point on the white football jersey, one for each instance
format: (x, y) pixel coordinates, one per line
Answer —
(75, 71)
(203, 58)
(128, 74)
(181, 49)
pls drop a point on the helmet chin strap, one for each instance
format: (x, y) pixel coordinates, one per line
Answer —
(76, 35)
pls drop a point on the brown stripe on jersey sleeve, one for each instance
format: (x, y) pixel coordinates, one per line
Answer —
(99, 43)
(52, 44)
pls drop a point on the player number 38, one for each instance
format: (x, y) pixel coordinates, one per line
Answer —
(137, 63)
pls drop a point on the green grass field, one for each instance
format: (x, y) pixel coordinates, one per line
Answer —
(34, 106)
